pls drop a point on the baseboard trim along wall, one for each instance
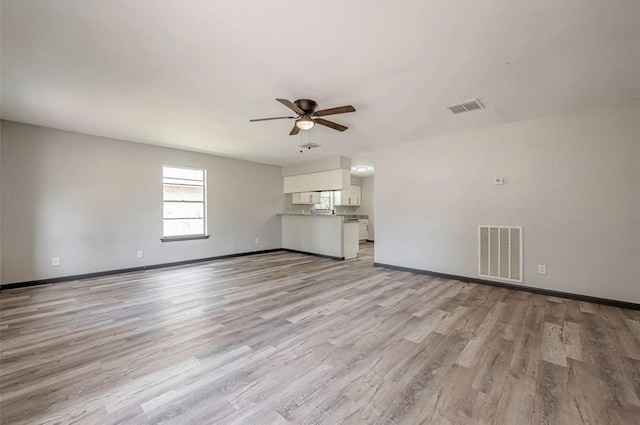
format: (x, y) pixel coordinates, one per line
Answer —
(129, 270)
(331, 257)
(540, 291)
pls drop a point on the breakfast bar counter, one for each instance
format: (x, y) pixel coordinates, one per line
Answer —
(331, 236)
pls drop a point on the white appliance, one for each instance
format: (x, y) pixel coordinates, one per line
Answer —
(364, 229)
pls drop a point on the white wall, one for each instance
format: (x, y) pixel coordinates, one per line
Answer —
(368, 204)
(94, 202)
(572, 181)
(0, 156)
(0, 201)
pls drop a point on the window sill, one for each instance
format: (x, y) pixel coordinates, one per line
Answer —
(183, 238)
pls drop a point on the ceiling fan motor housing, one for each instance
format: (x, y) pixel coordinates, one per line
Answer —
(307, 105)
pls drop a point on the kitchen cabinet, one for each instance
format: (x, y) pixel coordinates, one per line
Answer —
(364, 230)
(356, 193)
(348, 197)
(305, 198)
(324, 180)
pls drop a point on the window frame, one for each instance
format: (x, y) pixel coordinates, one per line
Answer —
(331, 199)
(186, 237)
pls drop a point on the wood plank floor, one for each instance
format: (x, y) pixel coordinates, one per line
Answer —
(284, 338)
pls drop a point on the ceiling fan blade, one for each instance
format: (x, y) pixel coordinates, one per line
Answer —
(330, 124)
(291, 106)
(295, 130)
(269, 119)
(333, 111)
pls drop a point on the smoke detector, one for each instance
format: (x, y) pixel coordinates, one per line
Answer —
(469, 105)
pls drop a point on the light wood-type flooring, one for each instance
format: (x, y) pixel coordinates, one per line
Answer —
(285, 338)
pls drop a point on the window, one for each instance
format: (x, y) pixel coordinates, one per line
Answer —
(184, 203)
(326, 201)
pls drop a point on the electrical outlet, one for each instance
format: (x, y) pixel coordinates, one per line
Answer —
(55, 261)
(139, 254)
(257, 241)
(498, 180)
(542, 269)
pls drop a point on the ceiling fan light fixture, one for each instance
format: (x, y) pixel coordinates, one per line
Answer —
(305, 123)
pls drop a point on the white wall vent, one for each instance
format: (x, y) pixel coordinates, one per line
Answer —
(309, 145)
(469, 105)
(500, 252)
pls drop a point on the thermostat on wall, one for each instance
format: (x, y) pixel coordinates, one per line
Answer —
(498, 180)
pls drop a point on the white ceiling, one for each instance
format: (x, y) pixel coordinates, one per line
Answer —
(190, 74)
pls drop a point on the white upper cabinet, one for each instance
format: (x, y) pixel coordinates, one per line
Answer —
(356, 195)
(305, 198)
(348, 197)
(324, 180)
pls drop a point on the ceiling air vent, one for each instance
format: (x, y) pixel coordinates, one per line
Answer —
(309, 145)
(469, 105)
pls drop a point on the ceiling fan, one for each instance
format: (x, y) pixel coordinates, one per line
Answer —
(308, 116)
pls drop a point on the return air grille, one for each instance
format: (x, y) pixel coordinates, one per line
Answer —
(500, 252)
(469, 105)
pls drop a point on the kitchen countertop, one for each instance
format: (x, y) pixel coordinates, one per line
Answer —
(359, 216)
